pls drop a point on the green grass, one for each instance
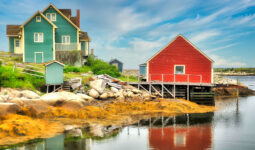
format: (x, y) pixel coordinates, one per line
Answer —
(130, 78)
(16, 79)
(83, 69)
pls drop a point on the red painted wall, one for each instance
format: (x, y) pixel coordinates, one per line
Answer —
(180, 52)
(197, 138)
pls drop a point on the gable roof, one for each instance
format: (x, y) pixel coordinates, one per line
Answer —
(51, 5)
(54, 61)
(13, 30)
(38, 12)
(84, 36)
(112, 60)
(187, 42)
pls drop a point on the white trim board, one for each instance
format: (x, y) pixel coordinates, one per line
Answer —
(38, 53)
(184, 69)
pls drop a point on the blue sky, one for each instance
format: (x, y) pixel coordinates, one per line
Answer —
(133, 30)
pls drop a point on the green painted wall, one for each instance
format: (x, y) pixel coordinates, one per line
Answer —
(54, 74)
(31, 47)
(83, 47)
(11, 42)
(64, 27)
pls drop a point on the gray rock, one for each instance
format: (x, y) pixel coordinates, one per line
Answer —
(29, 94)
(93, 93)
(136, 91)
(98, 85)
(75, 82)
(85, 97)
(75, 132)
(97, 130)
(104, 96)
(7, 108)
(114, 89)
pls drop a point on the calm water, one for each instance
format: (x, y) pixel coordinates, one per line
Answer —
(229, 128)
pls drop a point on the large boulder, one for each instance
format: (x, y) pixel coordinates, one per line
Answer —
(72, 105)
(7, 108)
(93, 93)
(75, 133)
(62, 96)
(98, 85)
(97, 130)
(29, 94)
(85, 97)
(104, 96)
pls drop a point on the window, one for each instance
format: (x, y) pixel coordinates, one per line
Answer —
(179, 69)
(16, 43)
(51, 16)
(66, 39)
(38, 18)
(38, 37)
(180, 139)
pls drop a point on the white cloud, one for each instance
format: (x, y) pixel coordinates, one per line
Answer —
(204, 36)
(221, 47)
(226, 62)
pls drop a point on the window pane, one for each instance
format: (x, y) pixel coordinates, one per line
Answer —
(40, 37)
(53, 17)
(48, 16)
(67, 39)
(36, 37)
(179, 69)
(17, 43)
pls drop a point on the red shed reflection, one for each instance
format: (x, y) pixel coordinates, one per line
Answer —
(181, 138)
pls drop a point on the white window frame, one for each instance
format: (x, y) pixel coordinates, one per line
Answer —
(64, 36)
(38, 18)
(38, 33)
(38, 53)
(51, 18)
(184, 69)
(15, 42)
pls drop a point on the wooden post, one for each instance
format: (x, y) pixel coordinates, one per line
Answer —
(188, 89)
(174, 86)
(188, 92)
(162, 90)
(47, 88)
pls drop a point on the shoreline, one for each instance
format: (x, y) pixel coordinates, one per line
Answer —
(112, 114)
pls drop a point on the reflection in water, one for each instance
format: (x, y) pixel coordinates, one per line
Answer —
(175, 138)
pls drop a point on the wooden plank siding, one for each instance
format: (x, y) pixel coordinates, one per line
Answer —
(64, 27)
(31, 47)
(198, 67)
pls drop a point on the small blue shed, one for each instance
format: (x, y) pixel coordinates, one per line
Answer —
(54, 73)
(142, 69)
(117, 63)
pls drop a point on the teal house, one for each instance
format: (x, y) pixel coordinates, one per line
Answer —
(54, 72)
(46, 34)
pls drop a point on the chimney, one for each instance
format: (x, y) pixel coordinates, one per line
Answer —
(78, 18)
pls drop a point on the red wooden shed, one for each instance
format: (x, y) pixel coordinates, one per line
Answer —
(180, 61)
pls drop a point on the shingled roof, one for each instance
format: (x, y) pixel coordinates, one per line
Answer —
(73, 19)
(84, 36)
(13, 29)
(66, 12)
